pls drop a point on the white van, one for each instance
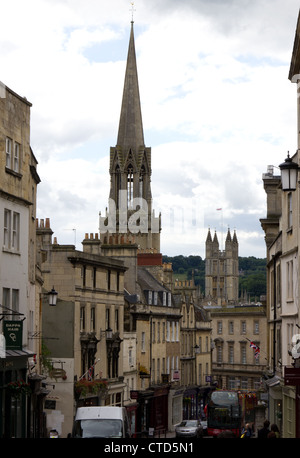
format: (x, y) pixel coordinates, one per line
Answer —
(101, 422)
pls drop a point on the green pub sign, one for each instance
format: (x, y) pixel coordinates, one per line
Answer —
(13, 333)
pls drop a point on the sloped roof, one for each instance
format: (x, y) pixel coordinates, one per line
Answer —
(148, 282)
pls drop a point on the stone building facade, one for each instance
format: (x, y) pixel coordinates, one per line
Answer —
(281, 227)
(20, 281)
(235, 324)
(234, 363)
(84, 331)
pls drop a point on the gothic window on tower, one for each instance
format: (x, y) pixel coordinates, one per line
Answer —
(141, 182)
(117, 185)
(129, 186)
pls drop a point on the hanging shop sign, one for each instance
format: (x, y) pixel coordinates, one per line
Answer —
(13, 333)
(291, 376)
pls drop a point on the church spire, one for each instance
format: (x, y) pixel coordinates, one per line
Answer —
(131, 133)
(130, 169)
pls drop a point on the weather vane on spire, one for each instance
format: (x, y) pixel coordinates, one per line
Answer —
(132, 10)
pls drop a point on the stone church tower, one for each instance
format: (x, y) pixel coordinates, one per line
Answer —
(222, 270)
(130, 200)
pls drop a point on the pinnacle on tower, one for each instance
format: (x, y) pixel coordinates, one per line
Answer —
(208, 238)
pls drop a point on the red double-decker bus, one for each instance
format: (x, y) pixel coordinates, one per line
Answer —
(223, 413)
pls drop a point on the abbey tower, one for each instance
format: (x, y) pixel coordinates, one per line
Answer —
(222, 269)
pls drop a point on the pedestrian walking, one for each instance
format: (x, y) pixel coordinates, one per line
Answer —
(246, 432)
(275, 430)
(263, 432)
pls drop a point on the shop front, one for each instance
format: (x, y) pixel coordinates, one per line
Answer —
(15, 394)
(175, 408)
(159, 409)
(132, 417)
(152, 411)
(190, 403)
(143, 413)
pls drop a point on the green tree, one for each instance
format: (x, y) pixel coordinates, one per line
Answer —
(252, 278)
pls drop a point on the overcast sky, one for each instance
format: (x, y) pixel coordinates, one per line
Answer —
(217, 107)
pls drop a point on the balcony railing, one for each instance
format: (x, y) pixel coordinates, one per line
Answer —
(238, 367)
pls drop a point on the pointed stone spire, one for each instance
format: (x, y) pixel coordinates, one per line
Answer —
(131, 133)
(208, 238)
(234, 239)
(228, 237)
(215, 240)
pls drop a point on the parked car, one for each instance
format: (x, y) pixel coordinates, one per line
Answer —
(189, 428)
(204, 426)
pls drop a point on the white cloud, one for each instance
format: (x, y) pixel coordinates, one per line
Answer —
(216, 102)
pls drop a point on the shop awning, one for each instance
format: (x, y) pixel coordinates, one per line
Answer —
(274, 381)
(16, 353)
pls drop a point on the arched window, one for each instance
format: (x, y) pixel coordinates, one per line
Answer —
(117, 184)
(141, 182)
(129, 185)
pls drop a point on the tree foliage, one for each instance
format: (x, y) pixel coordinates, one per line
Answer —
(252, 272)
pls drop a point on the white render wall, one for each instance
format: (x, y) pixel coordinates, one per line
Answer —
(14, 264)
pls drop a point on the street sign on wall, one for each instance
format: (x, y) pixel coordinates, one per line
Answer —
(13, 333)
(292, 376)
(175, 375)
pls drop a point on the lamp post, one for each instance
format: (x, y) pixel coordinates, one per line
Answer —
(113, 343)
(108, 334)
(52, 295)
(289, 174)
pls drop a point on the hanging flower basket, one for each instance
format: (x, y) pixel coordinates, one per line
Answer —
(143, 371)
(94, 387)
(19, 388)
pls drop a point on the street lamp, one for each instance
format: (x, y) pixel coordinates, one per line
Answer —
(197, 349)
(289, 173)
(52, 295)
(108, 333)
